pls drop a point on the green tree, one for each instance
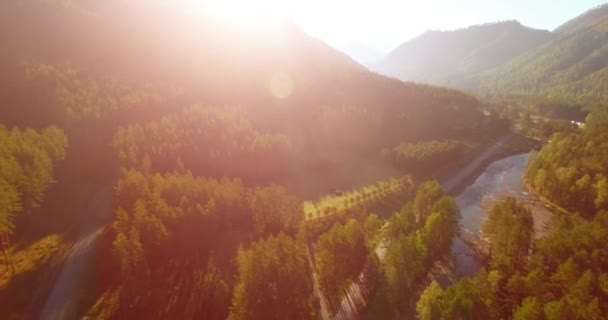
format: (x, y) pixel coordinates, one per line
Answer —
(440, 227)
(530, 309)
(340, 257)
(426, 195)
(601, 190)
(274, 210)
(372, 227)
(510, 228)
(273, 281)
(556, 310)
(429, 304)
(9, 206)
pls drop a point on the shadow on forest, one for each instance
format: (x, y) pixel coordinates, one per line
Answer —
(16, 295)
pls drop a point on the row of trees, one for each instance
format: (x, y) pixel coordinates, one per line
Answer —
(371, 197)
(562, 276)
(426, 155)
(383, 197)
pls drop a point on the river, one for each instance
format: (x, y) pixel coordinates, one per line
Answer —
(502, 178)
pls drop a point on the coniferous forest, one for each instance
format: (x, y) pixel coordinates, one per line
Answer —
(159, 164)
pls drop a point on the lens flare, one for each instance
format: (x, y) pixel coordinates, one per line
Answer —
(281, 85)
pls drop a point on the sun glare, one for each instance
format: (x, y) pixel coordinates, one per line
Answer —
(260, 14)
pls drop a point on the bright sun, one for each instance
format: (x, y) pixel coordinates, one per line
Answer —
(249, 13)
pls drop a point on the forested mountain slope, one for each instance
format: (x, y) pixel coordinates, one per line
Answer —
(441, 57)
(507, 60)
(572, 67)
(111, 61)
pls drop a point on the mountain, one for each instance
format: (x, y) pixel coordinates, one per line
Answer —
(115, 64)
(130, 45)
(584, 20)
(441, 57)
(572, 67)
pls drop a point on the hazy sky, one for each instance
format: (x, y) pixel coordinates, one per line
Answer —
(384, 24)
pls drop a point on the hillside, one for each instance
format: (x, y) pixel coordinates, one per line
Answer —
(585, 20)
(441, 57)
(572, 67)
(281, 80)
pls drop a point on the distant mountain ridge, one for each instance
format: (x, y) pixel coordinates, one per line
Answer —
(507, 59)
(573, 67)
(439, 57)
(587, 19)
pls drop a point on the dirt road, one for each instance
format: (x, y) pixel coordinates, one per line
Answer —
(63, 300)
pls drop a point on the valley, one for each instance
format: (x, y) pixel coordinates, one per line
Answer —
(173, 160)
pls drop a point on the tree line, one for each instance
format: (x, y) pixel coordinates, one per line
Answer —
(426, 155)
(28, 159)
(208, 141)
(39, 94)
(375, 197)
